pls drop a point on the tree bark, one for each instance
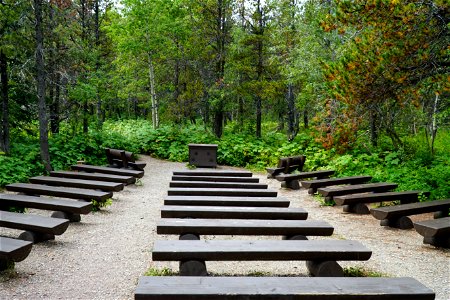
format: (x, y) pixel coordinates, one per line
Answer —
(260, 67)
(151, 76)
(292, 113)
(40, 79)
(4, 130)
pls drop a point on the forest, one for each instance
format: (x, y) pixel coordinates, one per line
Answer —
(359, 86)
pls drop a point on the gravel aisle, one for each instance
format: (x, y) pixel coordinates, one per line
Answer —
(103, 256)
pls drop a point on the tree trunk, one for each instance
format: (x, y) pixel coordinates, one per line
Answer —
(151, 76)
(433, 130)
(4, 130)
(260, 67)
(292, 113)
(373, 127)
(100, 118)
(54, 107)
(40, 79)
(305, 118)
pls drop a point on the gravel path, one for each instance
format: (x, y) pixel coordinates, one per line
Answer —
(103, 256)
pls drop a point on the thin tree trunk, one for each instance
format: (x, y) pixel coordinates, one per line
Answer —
(151, 76)
(373, 128)
(4, 130)
(260, 33)
(40, 79)
(100, 113)
(434, 123)
(292, 113)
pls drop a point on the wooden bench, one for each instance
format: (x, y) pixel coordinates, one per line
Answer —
(227, 173)
(291, 181)
(38, 189)
(107, 170)
(189, 229)
(435, 232)
(13, 250)
(37, 228)
(356, 203)
(397, 215)
(94, 176)
(221, 192)
(215, 178)
(320, 255)
(123, 159)
(281, 288)
(226, 185)
(379, 187)
(287, 165)
(63, 208)
(233, 212)
(313, 185)
(227, 201)
(78, 183)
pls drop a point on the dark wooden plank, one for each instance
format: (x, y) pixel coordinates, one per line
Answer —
(227, 201)
(78, 183)
(225, 185)
(94, 176)
(303, 175)
(107, 170)
(214, 178)
(221, 192)
(244, 227)
(230, 250)
(232, 212)
(33, 223)
(37, 189)
(203, 172)
(71, 206)
(434, 227)
(282, 288)
(396, 211)
(314, 184)
(14, 249)
(357, 188)
(410, 196)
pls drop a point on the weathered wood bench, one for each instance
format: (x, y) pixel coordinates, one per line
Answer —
(78, 183)
(233, 212)
(313, 185)
(123, 159)
(37, 228)
(63, 208)
(107, 170)
(281, 288)
(320, 255)
(225, 185)
(94, 176)
(227, 201)
(221, 192)
(13, 250)
(291, 181)
(38, 189)
(228, 173)
(287, 165)
(215, 178)
(435, 232)
(191, 229)
(356, 203)
(379, 187)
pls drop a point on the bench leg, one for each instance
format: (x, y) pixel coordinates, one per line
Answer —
(329, 200)
(295, 237)
(6, 264)
(193, 268)
(437, 241)
(400, 223)
(327, 268)
(66, 215)
(441, 214)
(189, 237)
(358, 208)
(312, 191)
(291, 184)
(36, 237)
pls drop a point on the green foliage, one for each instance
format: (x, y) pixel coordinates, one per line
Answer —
(160, 272)
(361, 272)
(97, 205)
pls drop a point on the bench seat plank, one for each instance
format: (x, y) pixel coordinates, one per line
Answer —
(282, 288)
(222, 192)
(357, 188)
(33, 223)
(94, 176)
(303, 175)
(434, 227)
(230, 212)
(406, 196)
(236, 250)
(397, 211)
(313, 185)
(243, 227)
(215, 178)
(14, 249)
(225, 185)
(38, 189)
(227, 201)
(44, 203)
(108, 170)
(78, 183)
(230, 173)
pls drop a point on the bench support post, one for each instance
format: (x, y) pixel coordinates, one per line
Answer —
(358, 208)
(441, 214)
(401, 223)
(36, 237)
(291, 184)
(193, 268)
(295, 237)
(189, 237)
(440, 241)
(66, 215)
(327, 268)
(312, 191)
(329, 200)
(6, 264)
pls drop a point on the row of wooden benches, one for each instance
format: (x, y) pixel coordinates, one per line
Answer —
(86, 183)
(190, 211)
